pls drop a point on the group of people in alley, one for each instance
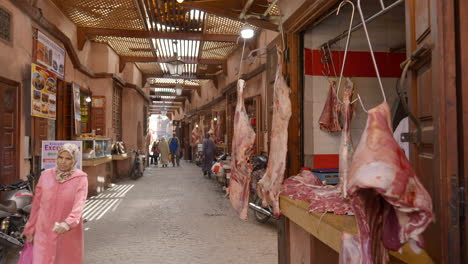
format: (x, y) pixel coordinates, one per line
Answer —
(54, 232)
(164, 151)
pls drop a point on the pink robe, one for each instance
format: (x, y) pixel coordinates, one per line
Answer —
(58, 202)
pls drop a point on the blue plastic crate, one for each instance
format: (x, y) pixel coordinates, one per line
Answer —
(330, 176)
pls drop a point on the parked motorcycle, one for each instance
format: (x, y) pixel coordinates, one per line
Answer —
(262, 214)
(14, 214)
(222, 169)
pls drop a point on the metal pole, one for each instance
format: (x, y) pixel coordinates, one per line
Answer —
(368, 20)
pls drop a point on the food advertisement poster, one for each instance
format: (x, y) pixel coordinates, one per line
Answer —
(44, 90)
(51, 55)
(77, 108)
(50, 150)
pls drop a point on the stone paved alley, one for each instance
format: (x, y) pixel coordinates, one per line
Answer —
(173, 216)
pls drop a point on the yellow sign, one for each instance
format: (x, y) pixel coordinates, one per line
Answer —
(43, 92)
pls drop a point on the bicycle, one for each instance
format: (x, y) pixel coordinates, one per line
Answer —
(137, 169)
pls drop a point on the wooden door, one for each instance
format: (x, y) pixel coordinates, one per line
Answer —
(65, 112)
(431, 92)
(9, 131)
(462, 96)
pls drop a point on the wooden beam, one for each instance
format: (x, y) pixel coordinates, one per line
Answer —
(185, 76)
(294, 129)
(213, 7)
(162, 85)
(154, 59)
(309, 11)
(87, 32)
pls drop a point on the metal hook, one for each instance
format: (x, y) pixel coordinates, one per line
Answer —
(347, 43)
(371, 50)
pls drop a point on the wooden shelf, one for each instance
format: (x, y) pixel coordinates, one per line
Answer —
(329, 227)
(96, 162)
(120, 157)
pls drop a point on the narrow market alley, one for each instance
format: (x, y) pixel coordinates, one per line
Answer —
(175, 215)
(172, 216)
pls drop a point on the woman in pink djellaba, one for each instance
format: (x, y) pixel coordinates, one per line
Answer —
(55, 226)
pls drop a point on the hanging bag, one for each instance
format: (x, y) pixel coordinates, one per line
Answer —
(26, 256)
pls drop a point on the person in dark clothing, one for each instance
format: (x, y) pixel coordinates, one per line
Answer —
(154, 149)
(209, 150)
(174, 148)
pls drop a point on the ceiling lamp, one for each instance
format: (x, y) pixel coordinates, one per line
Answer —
(178, 89)
(180, 1)
(175, 65)
(246, 31)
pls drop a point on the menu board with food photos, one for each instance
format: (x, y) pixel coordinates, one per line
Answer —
(44, 91)
(50, 55)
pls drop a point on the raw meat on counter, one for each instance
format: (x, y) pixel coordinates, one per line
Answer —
(242, 147)
(390, 204)
(270, 184)
(321, 198)
(307, 187)
(329, 119)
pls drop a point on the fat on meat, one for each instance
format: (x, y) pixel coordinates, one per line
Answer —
(326, 198)
(346, 143)
(242, 147)
(390, 204)
(270, 184)
(329, 119)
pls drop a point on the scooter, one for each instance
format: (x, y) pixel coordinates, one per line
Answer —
(262, 214)
(14, 214)
(222, 169)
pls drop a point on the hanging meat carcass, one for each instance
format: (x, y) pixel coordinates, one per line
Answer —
(390, 204)
(217, 133)
(326, 198)
(242, 147)
(329, 119)
(195, 135)
(270, 184)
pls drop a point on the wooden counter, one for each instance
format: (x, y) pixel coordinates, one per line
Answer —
(328, 228)
(96, 162)
(120, 157)
(99, 173)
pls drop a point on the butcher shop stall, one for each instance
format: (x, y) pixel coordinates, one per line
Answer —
(363, 180)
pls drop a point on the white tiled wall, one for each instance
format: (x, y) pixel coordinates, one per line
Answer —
(385, 32)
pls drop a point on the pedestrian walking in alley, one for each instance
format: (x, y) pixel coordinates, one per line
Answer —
(55, 226)
(147, 147)
(174, 148)
(155, 153)
(209, 150)
(164, 151)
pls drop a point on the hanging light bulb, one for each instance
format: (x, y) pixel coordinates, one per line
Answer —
(88, 99)
(215, 119)
(178, 89)
(180, 1)
(247, 31)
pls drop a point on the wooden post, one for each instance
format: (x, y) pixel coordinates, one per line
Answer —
(294, 136)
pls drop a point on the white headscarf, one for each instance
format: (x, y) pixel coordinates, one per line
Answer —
(74, 151)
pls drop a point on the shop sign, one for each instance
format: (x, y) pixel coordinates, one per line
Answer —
(77, 108)
(51, 55)
(50, 149)
(44, 90)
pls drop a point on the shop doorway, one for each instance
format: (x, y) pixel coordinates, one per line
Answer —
(9, 130)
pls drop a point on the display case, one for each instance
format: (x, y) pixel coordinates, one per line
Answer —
(96, 148)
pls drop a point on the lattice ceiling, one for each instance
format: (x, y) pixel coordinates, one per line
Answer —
(117, 14)
(140, 31)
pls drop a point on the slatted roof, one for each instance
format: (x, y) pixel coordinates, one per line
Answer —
(202, 34)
